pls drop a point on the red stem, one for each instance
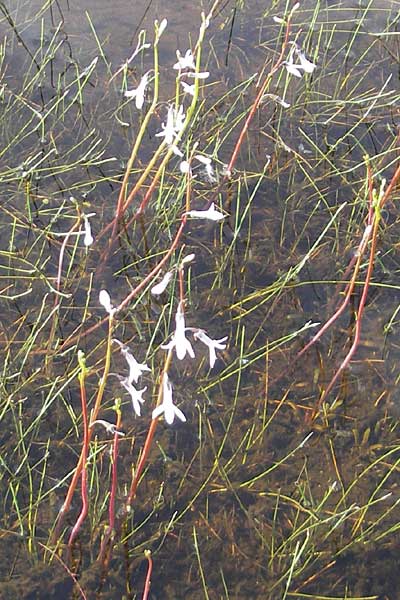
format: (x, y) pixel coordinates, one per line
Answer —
(257, 101)
(142, 462)
(85, 447)
(113, 493)
(373, 221)
(147, 583)
(349, 291)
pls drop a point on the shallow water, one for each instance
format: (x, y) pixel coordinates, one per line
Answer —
(232, 504)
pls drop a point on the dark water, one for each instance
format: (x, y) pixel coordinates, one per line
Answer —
(232, 504)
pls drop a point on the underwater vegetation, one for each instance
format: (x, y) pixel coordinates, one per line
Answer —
(200, 300)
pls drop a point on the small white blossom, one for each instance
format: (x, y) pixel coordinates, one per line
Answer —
(185, 167)
(188, 259)
(110, 427)
(176, 150)
(296, 69)
(135, 369)
(188, 88)
(212, 214)
(105, 301)
(88, 238)
(276, 99)
(160, 287)
(139, 93)
(305, 64)
(173, 126)
(185, 62)
(167, 406)
(136, 395)
(212, 345)
(206, 161)
(293, 69)
(202, 75)
(160, 28)
(179, 340)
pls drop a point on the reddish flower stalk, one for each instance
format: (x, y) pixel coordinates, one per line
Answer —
(85, 448)
(258, 99)
(349, 290)
(113, 493)
(94, 414)
(371, 232)
(147, 583)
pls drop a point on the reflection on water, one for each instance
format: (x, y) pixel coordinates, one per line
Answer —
(232, 504)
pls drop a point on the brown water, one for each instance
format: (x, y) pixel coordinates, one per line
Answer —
(232, 505)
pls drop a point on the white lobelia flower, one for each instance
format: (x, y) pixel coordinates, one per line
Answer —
(173, 126)
(188, 88)
(135, 369)
(179, 340)
(305, 64)
(136, 395)
(202, 75)
(185, 62)
(206, 161)
(212, 345)
(109, 427)
(276, 99)
(176, 150)
(184, 167)
(160, 28)
(212, 214)
(167, 406)
(88, 238)
(187, 259)
(139, 92)
(296, 69)
(105, 301)
(160, 287)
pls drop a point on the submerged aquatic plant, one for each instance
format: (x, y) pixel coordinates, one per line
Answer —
(142, 253)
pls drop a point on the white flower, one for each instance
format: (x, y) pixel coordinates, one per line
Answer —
(212, 214)
(185, 62)
(105, 301)
(187, 259)
(173, 126)
(139, 92)
(187, 88)
(167, 406)
(185, 167)
(135, 369)
(212, 345)
(305, 64)
(276, 99)
(296, 69)
(160, 287)
(136, 395)
(160, 28)
(110, 427)
(206, 161)
(88, 238)
(179, 340)
(203, 75)
(176, 150)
